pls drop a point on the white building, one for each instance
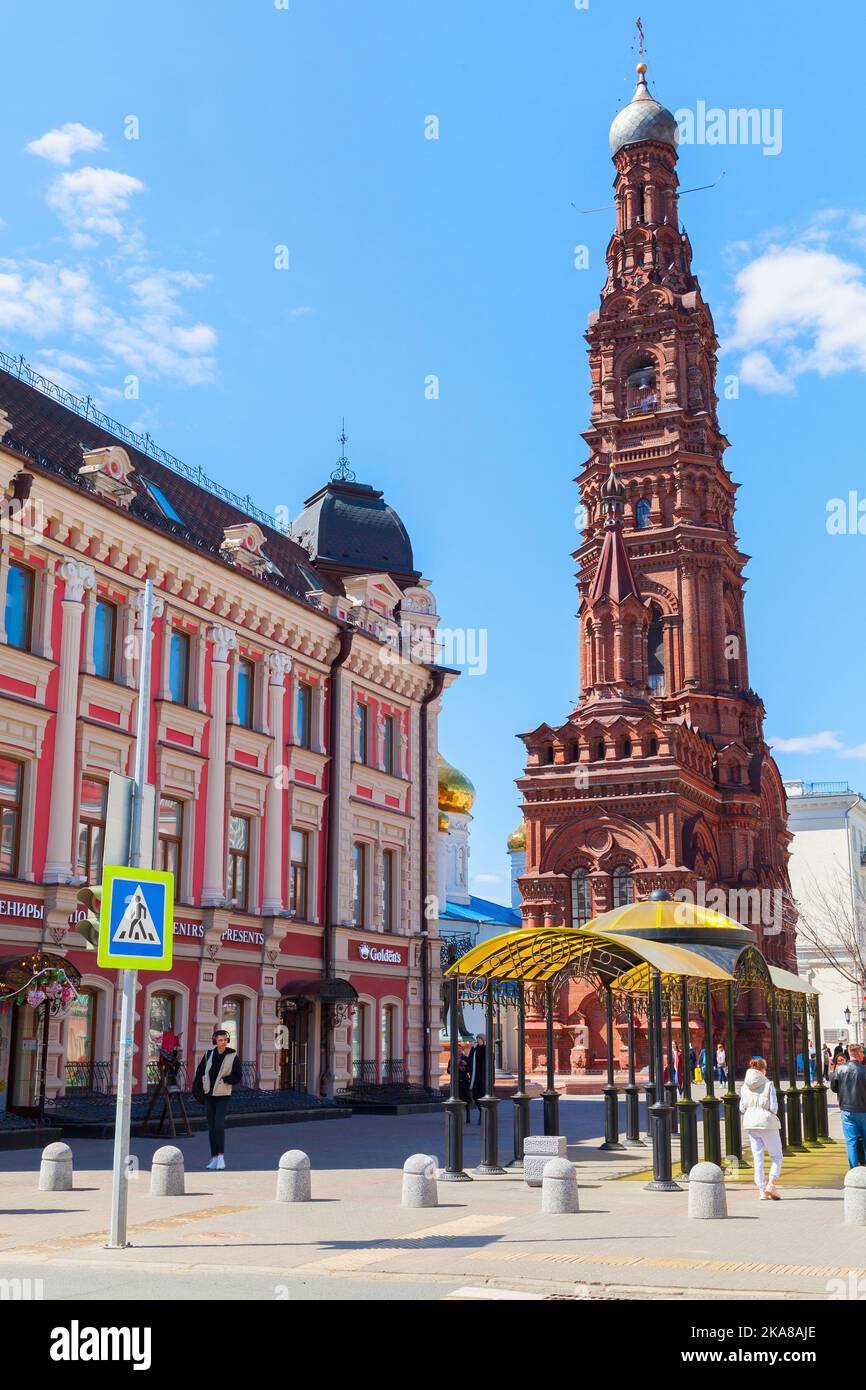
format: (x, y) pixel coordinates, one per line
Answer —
(828, 879)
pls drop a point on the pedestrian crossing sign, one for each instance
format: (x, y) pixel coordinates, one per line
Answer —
(136, 921)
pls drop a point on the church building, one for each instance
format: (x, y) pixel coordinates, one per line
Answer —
(660, 777)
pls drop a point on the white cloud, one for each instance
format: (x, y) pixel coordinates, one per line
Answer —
(488, 878)
(49, 300)
(60, 145)
(95, 317)
(808, 743)
(92, 203)
(801, 307)
(757, 370)
(301, 311)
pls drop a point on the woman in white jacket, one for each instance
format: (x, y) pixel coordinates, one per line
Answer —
(759, 1108)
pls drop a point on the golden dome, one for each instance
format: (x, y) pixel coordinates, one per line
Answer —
(443, 822)
(517, 838)
(456, 792)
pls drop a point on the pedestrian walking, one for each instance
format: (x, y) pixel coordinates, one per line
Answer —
(678, 1067)
(839, 1056)
(478, 1071)
(217, 1072)
(825, 1067)
(759, 1107)
(721, 1065)
(463, 1091)
(848, 1082)
(813, 1064)
(702, 1063)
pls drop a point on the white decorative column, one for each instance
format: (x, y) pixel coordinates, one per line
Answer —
(213, 890)
(58, 857)
(279, 665)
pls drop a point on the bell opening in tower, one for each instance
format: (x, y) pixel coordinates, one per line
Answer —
(641, 386)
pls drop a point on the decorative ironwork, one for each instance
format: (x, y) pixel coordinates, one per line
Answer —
(89, 1078)
(343, 473)
(452, 948)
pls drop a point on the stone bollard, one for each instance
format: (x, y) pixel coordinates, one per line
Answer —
(855, 1196)
(166, 1173)
(707, 1199)
(55, 1170)
(293, 1177)
(537, 1150)
(559, 1186)
(419, 1182)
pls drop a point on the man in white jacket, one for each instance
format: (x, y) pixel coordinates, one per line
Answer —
(759, 1107)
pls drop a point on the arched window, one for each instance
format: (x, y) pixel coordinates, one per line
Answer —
(573, 752)
(656, 652)
(600, 750)
(626, 747)
(581, 898)
(641, 387)
(548, 753)
(652, 747)
(232, 1020)
(623, 886)
(642, 513)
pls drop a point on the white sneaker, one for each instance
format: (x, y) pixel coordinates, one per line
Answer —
(219, 1162)
(214, 1163)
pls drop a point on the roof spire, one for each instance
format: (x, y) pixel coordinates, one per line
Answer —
(343, 473)
(614, 576)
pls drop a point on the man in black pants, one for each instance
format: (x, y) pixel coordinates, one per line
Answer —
(217, 1072)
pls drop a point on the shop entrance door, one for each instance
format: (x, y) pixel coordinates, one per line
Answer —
(28, 1060)
(293, 1071)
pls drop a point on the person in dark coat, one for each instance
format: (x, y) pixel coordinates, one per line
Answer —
(463, 1092)
(478, 1071)
(217, 1072)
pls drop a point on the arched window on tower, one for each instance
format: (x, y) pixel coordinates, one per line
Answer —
(600, 750)
(642, 514)
(581, 898)
(641, 386)
(656, 651)
(623, 886)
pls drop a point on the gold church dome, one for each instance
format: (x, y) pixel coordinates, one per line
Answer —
(456, 792)
(443, 823)
(517, 838)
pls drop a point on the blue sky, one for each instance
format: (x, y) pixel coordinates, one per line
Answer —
(304, 127)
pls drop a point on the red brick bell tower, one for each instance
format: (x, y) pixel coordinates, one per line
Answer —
(660, 777)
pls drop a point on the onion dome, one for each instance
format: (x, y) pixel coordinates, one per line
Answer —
(443, 823)
(517, 838)
(456, 792)
(613, 489)
(643, 119)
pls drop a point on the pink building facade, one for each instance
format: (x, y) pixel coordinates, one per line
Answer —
(293, 747)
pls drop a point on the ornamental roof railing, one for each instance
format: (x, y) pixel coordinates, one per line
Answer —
(84, 406)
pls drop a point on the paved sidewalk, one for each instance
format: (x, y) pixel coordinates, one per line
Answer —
(625, 1240)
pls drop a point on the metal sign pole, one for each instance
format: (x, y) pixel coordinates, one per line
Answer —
(120, 1175)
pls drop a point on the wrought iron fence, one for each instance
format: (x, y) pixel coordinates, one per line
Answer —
(393, 1072)
(364, 1073)
(89, 1078)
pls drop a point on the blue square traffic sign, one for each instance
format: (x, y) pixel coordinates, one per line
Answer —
(136, 919)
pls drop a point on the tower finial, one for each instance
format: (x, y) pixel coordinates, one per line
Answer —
(641, 67)
(342, 473)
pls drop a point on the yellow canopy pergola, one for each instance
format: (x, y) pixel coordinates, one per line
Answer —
(624, 947)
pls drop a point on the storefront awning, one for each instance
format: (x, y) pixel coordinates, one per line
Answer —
(331, 991)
